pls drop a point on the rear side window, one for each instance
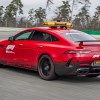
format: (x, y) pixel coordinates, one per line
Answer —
(42, 36)
(54, 38)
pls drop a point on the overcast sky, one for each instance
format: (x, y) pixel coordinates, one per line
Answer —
(28, 4)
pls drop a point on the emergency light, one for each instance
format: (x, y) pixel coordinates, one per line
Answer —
(54, 24)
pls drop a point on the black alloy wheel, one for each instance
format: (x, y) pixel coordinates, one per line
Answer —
(46, 68)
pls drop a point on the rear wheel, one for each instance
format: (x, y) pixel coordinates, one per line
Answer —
(46, 68)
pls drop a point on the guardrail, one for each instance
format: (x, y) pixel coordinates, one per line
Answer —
(93, 33)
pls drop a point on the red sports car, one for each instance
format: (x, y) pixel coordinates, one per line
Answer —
(52, 51)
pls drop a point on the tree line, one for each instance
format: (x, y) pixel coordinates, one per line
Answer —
(65, 12)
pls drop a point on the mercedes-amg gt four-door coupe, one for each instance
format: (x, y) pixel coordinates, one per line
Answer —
(53, 51)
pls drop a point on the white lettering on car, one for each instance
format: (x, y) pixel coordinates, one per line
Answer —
(10, 49)
(96, 56)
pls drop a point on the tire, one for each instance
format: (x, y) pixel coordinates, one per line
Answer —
(46, 68)
(90, 76)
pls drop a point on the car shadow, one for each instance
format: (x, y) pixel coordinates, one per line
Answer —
(70, 79)
(79, 79)
(20, 70)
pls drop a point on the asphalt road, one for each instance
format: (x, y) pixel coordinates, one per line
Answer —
(20, 84)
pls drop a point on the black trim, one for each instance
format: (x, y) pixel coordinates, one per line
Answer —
(75, 69)
(4, 62)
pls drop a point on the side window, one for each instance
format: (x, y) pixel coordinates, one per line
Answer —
(47, 37)
(37, 35)
(54, 38)
(42, 36)
(23, 36)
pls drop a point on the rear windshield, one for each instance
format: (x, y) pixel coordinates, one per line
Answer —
(78, 36)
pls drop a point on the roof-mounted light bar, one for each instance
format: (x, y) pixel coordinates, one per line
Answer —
(54, 24)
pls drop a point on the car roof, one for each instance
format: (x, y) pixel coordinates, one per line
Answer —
(56, 30)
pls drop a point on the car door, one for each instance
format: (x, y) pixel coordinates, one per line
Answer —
(31, 49)
(27, 50)
(14, 50)
(38, 43)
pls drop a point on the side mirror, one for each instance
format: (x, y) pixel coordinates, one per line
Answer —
(11, 39)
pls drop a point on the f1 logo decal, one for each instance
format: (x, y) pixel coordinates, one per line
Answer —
(10, 49)
(96, 56)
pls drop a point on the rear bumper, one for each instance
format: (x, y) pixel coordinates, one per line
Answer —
(75, 69)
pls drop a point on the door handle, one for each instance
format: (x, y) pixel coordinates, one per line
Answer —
(20, 44)
(40, 46)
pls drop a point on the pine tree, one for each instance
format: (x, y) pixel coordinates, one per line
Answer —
(63, 11)
(31, 15)
(82, 19)
(96, 19)
(85, 3)
(11, 12)
(18, 4)
(40, 15)
(1, 15)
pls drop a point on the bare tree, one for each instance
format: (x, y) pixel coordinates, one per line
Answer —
(49, 2)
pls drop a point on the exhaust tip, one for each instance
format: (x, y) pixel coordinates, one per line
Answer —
(82, 70)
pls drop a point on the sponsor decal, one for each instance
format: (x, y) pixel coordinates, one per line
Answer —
(96, 56)
(10, 49)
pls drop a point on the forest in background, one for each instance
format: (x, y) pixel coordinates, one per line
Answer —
(81, 21)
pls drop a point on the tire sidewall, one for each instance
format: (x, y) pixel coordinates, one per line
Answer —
(52, 71)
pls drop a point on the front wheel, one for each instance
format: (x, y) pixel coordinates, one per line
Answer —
(46, 68)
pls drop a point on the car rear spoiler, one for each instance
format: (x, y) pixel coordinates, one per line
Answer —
(81, 42)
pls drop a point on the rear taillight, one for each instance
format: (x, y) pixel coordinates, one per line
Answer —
(77, 52)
